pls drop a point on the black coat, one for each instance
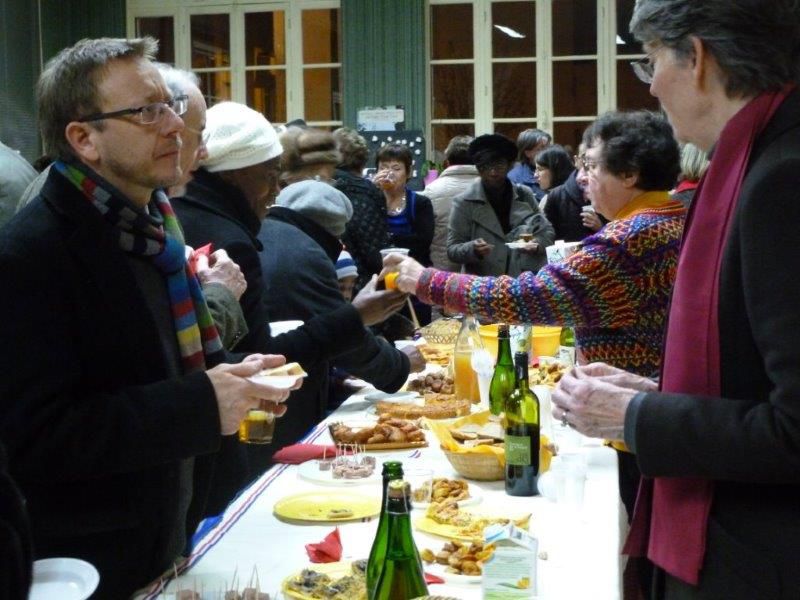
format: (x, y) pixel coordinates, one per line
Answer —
(95, 428)
(16, 551)
(747, 441)
(365, 234)
(563, 210)
(299, 262)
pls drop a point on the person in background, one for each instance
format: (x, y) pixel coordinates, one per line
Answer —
(308, 153)
(694, 163)
(553, 167)
(529, 143)
(16, 548)
(458, 174)
(16, 174)
(222, 280)
(346, 274)
(301, 245)
(569, 209)
(718, 435)
(493, 212)
(366, 232)
(616, 288)
(408, 214)
(113, 430)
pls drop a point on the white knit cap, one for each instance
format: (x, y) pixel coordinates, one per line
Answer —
(238, 137)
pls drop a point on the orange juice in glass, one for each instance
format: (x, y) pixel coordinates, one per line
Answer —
(466, 379)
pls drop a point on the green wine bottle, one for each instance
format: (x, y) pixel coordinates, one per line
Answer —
(503, 378)
(522, 434)
(392, 470)
(402, 577)
(566, 346)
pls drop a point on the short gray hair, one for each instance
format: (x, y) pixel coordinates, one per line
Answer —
(67, 88)
(755, 42)
(178, 81)
(694, 162)
(353, 148)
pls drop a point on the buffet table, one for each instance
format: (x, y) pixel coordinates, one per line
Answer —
(578, 547)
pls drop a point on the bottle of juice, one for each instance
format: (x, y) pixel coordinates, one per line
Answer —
(466, 380)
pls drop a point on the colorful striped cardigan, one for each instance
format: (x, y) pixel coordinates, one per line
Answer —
(614, 291)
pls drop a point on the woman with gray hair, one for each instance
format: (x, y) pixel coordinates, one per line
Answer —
(718, 436)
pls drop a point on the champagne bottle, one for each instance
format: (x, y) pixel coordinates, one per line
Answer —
(566, 346)
(402, 577)
(503, 378)
(466, 379)
(522, 434)
(392, 470)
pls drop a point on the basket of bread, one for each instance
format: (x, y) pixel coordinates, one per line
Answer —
(474, 446)
(441, 331)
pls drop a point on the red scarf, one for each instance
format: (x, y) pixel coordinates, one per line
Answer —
(671, 513)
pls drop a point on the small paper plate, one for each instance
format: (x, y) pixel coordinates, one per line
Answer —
(279, 327)
(475, 497)
(282, 382)
(63, 579)
(516, 245)
(310, 470)
(333, 570)
(316, 506)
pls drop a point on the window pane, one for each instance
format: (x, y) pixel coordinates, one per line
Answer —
(626, 43)
(575, 88)
(632, 93)
(323, 102)
(569, 133)
(264, 38)
(442, 134)
(514, 89)
(216, 86)
(321, 36)
(162, 29)
(512, 130)
(513, 29)
(574, 27)
(266, 93)
(453, 92)
(211, 41)
(451, 31)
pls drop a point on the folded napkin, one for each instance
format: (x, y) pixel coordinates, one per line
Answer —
(202, 251)
(328, 550)
(300, 453)
(430, 578)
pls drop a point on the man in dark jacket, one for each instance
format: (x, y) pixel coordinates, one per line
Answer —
(570, 211)
(224, 204)
(301, 245)
(112, 406)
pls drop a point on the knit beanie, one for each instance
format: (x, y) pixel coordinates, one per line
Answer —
(345, 266)
(238, 137)
(322, 203)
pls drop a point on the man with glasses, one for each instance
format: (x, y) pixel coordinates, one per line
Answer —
(114, 394)
(494, 212)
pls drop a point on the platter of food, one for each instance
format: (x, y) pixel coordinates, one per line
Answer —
(333, 581)
(437, 354)
(444, 489)
(447, 520)
(341, 471)
(389, 433)
(327, 506)
(456, 561)
(435, 406)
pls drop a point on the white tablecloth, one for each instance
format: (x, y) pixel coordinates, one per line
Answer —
(581, 545)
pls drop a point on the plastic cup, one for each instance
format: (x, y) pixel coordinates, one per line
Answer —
(257, 427)
(421, 482)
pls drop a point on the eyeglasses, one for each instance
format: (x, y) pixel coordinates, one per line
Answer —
(644, 68)
(581, 162)
(147, 114)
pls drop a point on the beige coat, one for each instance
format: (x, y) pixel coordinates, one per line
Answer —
(472, 217)
(453, 181)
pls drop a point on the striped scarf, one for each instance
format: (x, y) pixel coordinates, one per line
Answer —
(158, 237)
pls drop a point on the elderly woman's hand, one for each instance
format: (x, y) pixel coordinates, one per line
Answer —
(408, 270)
(587, 400)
